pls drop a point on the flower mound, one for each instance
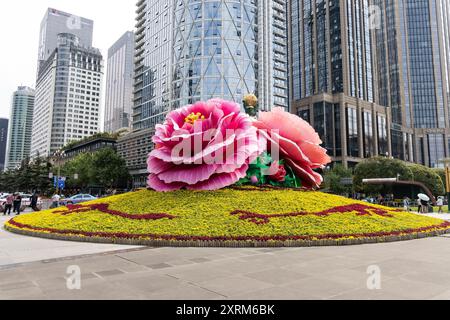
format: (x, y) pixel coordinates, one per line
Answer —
(297, 142)
(205, 146)
(238, 217)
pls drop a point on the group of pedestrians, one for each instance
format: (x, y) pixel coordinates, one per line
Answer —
(13, 202)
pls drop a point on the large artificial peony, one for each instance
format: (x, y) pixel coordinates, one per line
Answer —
(205, 146)
(297, 142)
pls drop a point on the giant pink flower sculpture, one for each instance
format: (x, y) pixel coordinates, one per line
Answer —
(205, 146)
(297, 142)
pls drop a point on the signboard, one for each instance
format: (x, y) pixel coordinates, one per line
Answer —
(59, 183)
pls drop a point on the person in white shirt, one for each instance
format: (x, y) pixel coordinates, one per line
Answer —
(55, 201)
(440, 204)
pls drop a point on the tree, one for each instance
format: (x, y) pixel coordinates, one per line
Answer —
(333, 180)
(429, 178)
(110, 169)
(104, 168)
(380, 167)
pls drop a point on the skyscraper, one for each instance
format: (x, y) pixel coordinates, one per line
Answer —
(3, 142)
(119, 84)
(56, 22)
(334, 79)
(413, 53)
(20, 125)
(189, 51)
(68, 96)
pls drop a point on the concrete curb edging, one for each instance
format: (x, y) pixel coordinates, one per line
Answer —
(231, 243)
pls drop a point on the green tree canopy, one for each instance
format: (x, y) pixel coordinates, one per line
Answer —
(428, 177)
(333, 180)
(380, 167)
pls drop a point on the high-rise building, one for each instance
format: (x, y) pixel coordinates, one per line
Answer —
(413, 54)
(56, 22)
(189, 51)
(119, 84)
(334, 77)
(20, 125)
(68, 96)
(3, 142)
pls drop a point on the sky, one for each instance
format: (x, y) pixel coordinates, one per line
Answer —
(19, 29)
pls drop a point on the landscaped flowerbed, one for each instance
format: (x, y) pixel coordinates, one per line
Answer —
(228, 217)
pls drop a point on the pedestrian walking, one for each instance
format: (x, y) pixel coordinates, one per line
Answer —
(17, 203)
(55, 201)
(34, 201)
(406, 204)
(8, 204)
(440, 204)
(419, 203)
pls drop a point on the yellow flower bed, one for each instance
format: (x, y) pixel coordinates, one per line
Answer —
(226, 215)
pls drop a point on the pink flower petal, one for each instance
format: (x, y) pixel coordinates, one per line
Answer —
(189, 174)
(156, 184)
(220, 181)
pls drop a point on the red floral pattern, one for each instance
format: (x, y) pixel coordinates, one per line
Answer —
(104, 207)
(360, 209)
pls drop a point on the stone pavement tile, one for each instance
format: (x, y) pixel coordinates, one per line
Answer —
(322, 266)
(276, 293)
(365, 294)
(442, 296)
(401, 266)
(200, 260)
(184, 291)
(320, 287)
(409, 289)
(150, 257)
(198, 273)
(109, 273)
(33, 293)
(104, 291)
(52, 283)
(17, 286)
(429, 276)
(159, 266)
(144, 283)
(15, 275)
(355, 279)
(233, 285)
(177, 263)
(276, 276)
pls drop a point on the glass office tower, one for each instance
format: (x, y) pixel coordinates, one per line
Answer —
(333, 77)
(195, 50)
(413, 54)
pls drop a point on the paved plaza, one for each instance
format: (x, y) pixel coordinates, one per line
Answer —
(33, 268)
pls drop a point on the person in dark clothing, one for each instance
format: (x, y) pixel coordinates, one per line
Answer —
(34, 201)
(17, 203)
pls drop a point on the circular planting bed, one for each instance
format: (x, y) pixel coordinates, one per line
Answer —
(246, 217)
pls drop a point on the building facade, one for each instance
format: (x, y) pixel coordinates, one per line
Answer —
(20, 126)
(119, 84)
(68, 96)
(189, 51)
(3, 142)
(413, 55)
(334, 78)
(56, 22)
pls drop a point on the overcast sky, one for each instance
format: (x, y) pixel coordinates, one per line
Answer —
(19, 24)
